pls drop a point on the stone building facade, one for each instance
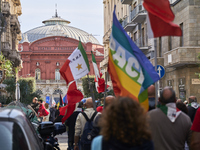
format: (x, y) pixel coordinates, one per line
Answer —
(10, 38)
(178, 55)
(10, 35)
(45, 49)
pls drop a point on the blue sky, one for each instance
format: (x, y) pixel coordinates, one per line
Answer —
(86, 15)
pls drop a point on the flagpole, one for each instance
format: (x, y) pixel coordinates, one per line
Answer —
(156, 83)
(92, 92)
(105, 92)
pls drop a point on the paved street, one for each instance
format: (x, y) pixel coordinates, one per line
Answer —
(62, 140)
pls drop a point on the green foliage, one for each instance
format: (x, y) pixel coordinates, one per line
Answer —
(6, 65)
(121, 20)
(10, 88)
(27, 89)
(86, 89)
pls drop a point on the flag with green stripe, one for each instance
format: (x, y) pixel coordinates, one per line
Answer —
(76, 65)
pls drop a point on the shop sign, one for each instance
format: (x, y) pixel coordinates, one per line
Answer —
(195, 81)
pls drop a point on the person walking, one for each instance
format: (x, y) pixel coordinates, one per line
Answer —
(46, 118)
(35, 104)
(42, 111)
(70, 123)
(169, 126)
(192, 107)
(81, 121)
(123, 127)
(195, 139)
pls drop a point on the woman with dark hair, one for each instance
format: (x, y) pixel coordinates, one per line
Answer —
(123, 127)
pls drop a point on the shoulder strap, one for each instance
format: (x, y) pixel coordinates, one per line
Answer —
(86, 117)
(94, 114)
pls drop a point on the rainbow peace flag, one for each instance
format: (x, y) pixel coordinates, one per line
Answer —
(130, 70)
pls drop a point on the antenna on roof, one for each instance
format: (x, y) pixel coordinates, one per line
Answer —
(56, 15)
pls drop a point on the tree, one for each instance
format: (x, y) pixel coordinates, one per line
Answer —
(6, 66)
(27, 89)
(86, 88)
(11, 85)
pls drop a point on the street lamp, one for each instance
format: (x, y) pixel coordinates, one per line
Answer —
(17, 92)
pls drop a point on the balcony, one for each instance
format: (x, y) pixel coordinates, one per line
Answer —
(5, 8)
(138, 14)
(17, 2)
(5, 47)
(126, 1)
(104, 62)
(128, 27)
(181, 56)
(106, 37)
(142, 43)
(15, 57)
(50, 81)
(15, 23)
(160, 61)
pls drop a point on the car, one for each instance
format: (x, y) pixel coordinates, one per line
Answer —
(17, 132)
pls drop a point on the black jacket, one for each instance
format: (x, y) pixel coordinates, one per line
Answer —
(191, 112)
(35, 106)
(70, 122)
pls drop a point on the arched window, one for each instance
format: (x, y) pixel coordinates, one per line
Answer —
(37, 74)
(57, 74)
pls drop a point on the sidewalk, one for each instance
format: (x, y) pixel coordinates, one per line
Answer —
(63, 141)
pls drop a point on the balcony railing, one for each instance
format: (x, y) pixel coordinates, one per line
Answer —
(141, 42)
(5, 47)
(126, 21)
(104, 62)
(138, 14)
(106, 37)
(126, 1)
(5, 8)
(181, 56)
(50, 81)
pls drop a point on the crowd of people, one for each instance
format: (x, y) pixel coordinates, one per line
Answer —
(123, 124)
(43, 112)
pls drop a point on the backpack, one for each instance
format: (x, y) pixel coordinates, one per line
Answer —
(86, 137)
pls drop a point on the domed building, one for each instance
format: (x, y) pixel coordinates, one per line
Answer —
(45, 49)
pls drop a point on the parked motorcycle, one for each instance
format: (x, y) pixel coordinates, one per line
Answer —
(48, 131)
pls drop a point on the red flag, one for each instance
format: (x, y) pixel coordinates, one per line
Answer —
(161, 17)
(74, 96)
(42, 111)
(63, 110)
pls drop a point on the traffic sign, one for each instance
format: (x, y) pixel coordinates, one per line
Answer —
(160, 71)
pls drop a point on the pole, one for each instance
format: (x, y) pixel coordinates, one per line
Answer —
(156, 83)
(105, 92)
(91, 92)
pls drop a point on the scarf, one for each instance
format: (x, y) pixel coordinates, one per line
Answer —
(195, 105)
(170, 110)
